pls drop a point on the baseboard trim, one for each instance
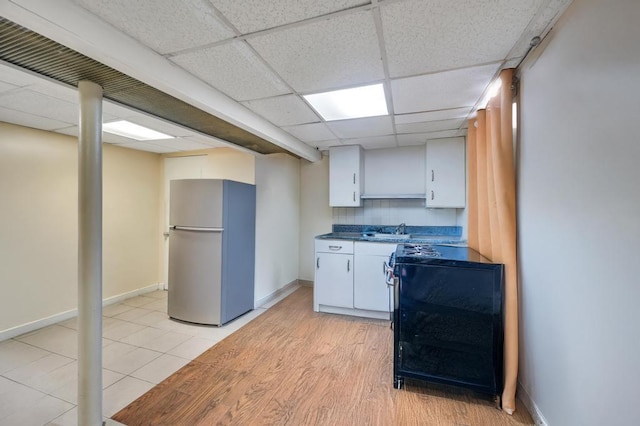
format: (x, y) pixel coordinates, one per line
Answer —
(62, 316)
(305, 283)
(535, 412)
(281, 292)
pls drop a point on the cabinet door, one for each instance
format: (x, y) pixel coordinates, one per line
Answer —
(370, 290)
(333, 284)
(345, 176)
(446, 177)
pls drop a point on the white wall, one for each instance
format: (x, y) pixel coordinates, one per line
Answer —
(277, 222)
(38, 223)
(315, 212)
(578, 209)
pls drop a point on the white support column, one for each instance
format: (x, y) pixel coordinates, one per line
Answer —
(90, 255)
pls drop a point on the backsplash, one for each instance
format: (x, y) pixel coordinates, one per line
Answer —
(384, 212)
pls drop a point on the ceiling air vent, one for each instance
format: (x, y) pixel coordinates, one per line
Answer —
(32, 51)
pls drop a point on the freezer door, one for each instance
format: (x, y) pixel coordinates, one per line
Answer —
(196, 202)
(195, 262)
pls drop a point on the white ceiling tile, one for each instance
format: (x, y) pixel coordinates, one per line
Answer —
(240, 74)
(362, 127)
(210, 141)
(537, 27)
(180, 144)
(429, 126)
(38, 104)
(106, 136)
(435, 35)
(56, 90)
(29, 120)
(145, 146)
(336, 52)
(284, 110)
(5, 87)
(12, 75)
(324, 145)
(164, 25)
(254, 15)
(311, 132)
(443, 114)
(421, 138)
(70, 130)
(373, 142)
(451, 89)
(116, 110)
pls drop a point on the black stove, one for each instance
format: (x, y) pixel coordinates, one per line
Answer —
(447, 316)
(429, 253)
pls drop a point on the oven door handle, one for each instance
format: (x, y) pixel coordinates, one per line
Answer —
(388, 275)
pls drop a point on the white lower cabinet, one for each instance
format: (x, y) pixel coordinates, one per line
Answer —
(370, 290)
(333, 284)
(334, 276)
(350, 278)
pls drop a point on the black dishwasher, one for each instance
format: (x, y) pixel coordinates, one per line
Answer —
(447, 317)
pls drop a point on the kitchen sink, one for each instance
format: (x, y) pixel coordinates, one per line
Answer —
(392, 236)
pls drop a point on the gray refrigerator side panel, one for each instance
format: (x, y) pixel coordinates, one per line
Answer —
(238, 266)
(194, 276)
(196, 202)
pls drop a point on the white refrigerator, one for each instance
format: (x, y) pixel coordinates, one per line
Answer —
(211, 250)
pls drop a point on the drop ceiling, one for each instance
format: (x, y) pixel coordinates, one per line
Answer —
(249, 62)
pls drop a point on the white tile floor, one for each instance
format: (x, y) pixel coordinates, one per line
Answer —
(141, 347)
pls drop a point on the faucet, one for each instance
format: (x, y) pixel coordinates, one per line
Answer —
(401, 229)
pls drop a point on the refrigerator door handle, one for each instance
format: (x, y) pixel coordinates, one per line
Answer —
(196, 228)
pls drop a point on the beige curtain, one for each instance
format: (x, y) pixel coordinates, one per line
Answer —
(492, 212)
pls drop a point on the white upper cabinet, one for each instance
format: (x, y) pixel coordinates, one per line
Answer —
(346, 175)
(394, 172)
(445, 173)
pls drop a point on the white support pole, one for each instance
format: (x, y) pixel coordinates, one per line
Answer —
(90, 255)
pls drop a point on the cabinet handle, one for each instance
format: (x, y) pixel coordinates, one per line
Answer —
(433, 175)
(354, 178)
(335, 248)
(432, 195)
(348, 265)
(317, 262)
(354, 196)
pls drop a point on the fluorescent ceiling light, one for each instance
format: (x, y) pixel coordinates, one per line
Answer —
(133, 131)
(365, 101)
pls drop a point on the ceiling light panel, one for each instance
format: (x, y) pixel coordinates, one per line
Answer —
(356, 102)
(452, 89)
(341, 51)
(362, 127)
(164, 25)
(241, 75)
(133, 131)
(284, 110)
(255, 15)
(427, 36)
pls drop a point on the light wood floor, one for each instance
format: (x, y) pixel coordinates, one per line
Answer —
(293, 366)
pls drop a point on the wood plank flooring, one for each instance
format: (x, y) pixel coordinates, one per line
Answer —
(293, 366)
